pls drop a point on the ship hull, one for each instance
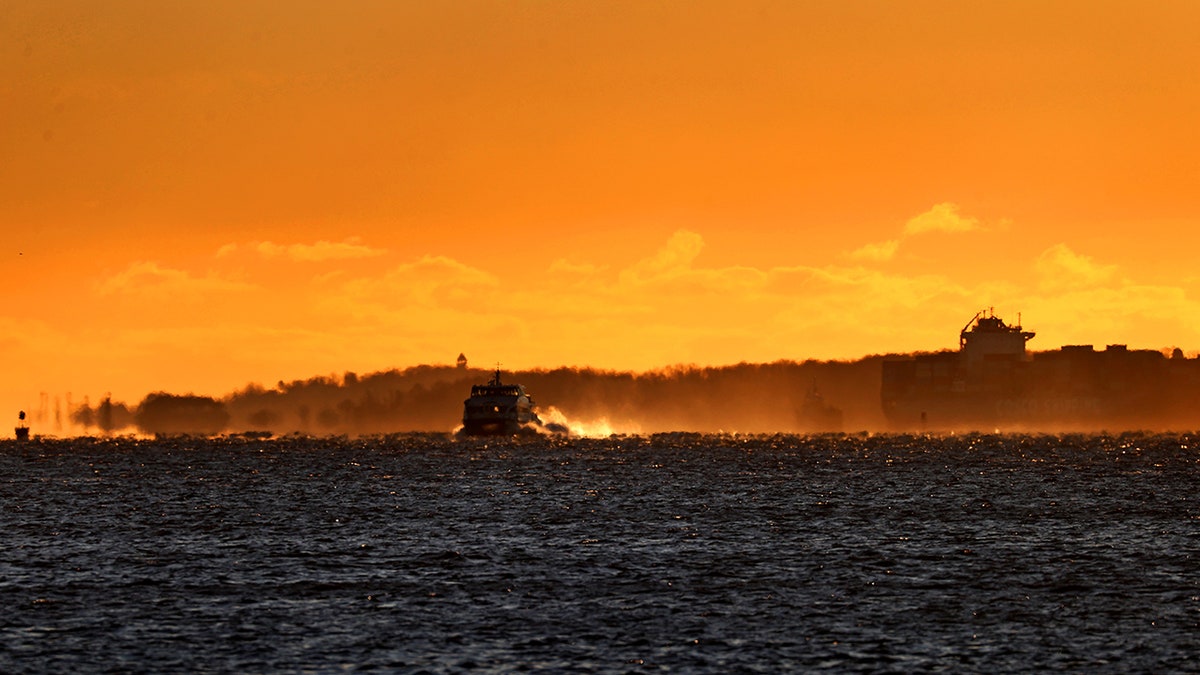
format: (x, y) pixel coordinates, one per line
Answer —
(508, 427)
(1071, 389)
(934, 411)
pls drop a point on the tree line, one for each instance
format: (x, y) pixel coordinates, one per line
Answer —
(746, 397)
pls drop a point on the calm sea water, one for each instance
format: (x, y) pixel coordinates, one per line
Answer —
(681, 553)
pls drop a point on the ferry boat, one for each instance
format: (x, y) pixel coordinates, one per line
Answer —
(498, 409)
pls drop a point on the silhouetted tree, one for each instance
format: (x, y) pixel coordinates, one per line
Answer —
(84, 416)
(162, 413)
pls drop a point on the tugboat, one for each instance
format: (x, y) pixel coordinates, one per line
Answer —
(498, 409)
(22, 429)
(818, 415)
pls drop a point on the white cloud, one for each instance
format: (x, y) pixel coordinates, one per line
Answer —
(672, 259)
(942, 217)
(879, 252)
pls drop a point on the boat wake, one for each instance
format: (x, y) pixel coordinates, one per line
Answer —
(598, 428)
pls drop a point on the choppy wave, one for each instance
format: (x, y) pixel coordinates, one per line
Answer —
(683, 552)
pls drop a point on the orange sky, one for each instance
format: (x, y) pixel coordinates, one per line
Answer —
(195, 196)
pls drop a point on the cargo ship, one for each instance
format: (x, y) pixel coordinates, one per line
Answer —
(993, 383)
(498, 409)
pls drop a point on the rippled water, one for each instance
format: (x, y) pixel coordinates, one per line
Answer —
(667, 553)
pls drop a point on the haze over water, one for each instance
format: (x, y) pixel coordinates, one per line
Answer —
(679, 552)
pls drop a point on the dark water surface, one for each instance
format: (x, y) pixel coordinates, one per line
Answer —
(697, 554)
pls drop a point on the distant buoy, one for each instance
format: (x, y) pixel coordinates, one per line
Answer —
(22, 429)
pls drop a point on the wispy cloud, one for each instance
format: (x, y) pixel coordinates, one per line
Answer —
(571, 269)
(882, 251)
(672, 259)
(671, 269)
(430, 281)
(942, 217)
(318, 252)
(1060, 268)
(150, 278)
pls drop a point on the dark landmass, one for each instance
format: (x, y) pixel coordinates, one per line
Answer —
(1074, 388)
(1120, 390)
(746, 398)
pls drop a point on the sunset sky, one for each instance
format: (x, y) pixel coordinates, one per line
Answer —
(199, 195)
